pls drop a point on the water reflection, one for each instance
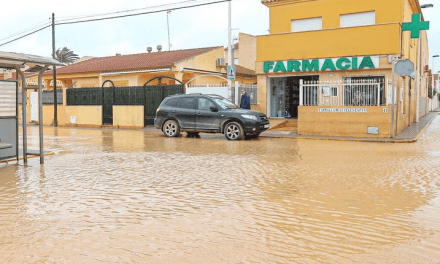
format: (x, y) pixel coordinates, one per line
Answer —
(136, 196)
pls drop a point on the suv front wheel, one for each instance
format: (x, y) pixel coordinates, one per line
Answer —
(234, 131)
(171, 129)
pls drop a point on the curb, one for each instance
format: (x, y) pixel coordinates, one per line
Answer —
(373, 140)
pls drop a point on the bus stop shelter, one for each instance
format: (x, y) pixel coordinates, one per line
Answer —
(9, 92)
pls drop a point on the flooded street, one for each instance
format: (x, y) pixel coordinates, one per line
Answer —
(126, 196)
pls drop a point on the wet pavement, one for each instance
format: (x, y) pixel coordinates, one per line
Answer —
(124, 196)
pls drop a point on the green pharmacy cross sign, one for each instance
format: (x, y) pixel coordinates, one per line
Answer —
(416, 25)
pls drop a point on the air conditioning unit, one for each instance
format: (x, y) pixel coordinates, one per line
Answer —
(220, 62)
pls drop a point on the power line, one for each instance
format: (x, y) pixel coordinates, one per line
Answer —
(138, 14)
(67, 18)
(120, 16)
(38, 25)
(25, 35)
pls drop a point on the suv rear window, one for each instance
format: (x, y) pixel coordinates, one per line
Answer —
(188, 102)
(172, 102)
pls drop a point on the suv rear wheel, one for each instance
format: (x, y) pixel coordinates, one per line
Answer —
(234, 131)
(171, 129)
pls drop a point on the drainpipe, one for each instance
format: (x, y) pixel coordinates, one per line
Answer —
(419, 65)
(393, 99)
(23, 112)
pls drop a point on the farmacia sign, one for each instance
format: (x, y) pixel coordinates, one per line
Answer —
(345, 63)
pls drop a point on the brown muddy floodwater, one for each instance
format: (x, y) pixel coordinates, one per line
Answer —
(122, 196)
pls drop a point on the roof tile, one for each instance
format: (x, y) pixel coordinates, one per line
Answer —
(132, 62)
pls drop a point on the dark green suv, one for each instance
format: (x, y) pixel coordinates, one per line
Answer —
(194, 113)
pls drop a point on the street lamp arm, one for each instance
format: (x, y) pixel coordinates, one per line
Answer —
(427, 6)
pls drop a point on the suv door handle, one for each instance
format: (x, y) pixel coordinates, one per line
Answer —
(199, 113)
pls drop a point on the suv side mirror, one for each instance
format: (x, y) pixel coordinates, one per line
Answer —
(213, 109)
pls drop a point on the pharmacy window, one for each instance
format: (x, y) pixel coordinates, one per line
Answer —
(358, 19)
(308, 24)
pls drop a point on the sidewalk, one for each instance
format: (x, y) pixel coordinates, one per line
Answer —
(409, 134)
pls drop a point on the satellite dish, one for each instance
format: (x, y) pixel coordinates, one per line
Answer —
(405, 68)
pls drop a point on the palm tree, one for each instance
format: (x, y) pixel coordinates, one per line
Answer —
(65, 55)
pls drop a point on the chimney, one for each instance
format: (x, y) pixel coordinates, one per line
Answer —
(159, 47)
(149, 49)
(118, 54)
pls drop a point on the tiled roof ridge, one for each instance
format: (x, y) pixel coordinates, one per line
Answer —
(144, 53)
(207, 49)
(244, 67)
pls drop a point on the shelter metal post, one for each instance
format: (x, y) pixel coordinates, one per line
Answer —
(16, 114)
(40, 112)
(23, 112)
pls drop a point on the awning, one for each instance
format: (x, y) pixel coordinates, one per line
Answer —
(137, 71)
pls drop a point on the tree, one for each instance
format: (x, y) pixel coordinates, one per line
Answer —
(65, 55)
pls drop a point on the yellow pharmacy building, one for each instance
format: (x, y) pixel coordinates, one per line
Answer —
(328, 64)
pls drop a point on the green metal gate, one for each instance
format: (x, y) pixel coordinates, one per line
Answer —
(154, 95)
(148, 96)
(108, 100)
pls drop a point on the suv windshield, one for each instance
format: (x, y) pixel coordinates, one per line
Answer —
(224, 103)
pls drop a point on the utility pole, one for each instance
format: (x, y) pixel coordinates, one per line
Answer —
(55, 101)
(168, 25)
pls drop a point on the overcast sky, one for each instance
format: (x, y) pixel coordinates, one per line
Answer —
(197, 27)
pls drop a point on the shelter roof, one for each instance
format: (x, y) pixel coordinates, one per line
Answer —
(152, 60)
(11, 60)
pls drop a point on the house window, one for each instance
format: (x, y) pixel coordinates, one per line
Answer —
(358, 19)
(308, 24)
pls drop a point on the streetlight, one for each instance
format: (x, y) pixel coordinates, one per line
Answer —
(427, 6)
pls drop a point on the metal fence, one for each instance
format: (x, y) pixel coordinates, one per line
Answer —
(84, 96)
(48, 97)
(222, 89)
(365, 92)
